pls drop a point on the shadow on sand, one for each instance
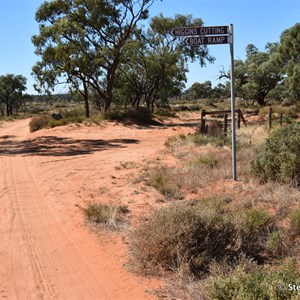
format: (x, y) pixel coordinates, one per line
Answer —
(59, 146)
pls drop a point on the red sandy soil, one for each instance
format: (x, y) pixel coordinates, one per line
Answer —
(46, 251)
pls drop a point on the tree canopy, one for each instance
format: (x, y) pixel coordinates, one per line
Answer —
(11, 92)
(102, 52)
(156, 62)
(98, 49)
(82, 41)
(289, 55)
(259, 74)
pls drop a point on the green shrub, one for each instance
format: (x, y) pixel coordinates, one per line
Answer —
(256, 284)
(295, 222)
(114, 115)
(38, 122)
(275, 243)
(184, 239)
(65, 121)
(254, 227)
(164, 112)
(256, 219)
(278, 159)
(138, 115)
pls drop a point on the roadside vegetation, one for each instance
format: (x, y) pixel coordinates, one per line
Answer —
(97, 214)
(213, 238)
(140, 116)
(241, 244)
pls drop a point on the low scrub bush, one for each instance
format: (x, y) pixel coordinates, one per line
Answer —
(183, 239)
(180, 107)
(256, 219)
(191, 238)
(278, 159)
(276, 244)
(65, 121)
(138, 115)
(114, 115)
(196, 171)
(214, 140)
(38, 122)
(295, 222)
(254, 227)
(259, 283)
(164, 112)
(45, 121)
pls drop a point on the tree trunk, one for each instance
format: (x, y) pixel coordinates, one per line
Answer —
(261, 101)
(86, 100)
(7, 109)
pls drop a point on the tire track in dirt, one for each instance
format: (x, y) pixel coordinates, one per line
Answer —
(26, 260)
(43, 253)
(45, 250)
(42, 259)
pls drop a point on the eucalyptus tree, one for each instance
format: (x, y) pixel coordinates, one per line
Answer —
(156, 62)
(11, 91)
(81, 42)
(289, 52)
(259, 74)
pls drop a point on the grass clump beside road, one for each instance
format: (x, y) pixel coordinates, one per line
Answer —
(99, 213)
(167, 181)
(195, 171)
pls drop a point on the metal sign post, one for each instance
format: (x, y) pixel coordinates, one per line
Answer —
(233, 134)
(213, 35)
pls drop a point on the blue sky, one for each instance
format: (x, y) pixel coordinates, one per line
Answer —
(256, 22)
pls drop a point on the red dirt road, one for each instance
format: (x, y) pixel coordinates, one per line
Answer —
(46, 252)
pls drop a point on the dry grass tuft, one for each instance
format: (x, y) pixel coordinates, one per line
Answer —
(98, 213)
